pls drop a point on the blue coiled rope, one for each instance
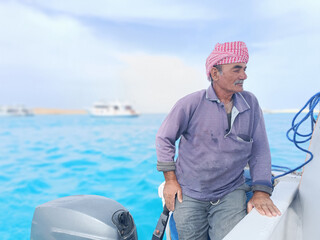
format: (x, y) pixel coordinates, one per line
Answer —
(312, 103)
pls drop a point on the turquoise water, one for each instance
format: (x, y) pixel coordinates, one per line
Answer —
(47, 157)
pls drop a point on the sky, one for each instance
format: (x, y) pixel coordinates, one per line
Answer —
(70, 53)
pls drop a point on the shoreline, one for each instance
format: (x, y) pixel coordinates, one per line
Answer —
(59, 111)
(286, 111)
(56, 111)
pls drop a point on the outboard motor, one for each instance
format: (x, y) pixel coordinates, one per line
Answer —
(83, 217)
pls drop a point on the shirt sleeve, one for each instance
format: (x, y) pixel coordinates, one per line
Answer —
(169, 132)
(260, 161)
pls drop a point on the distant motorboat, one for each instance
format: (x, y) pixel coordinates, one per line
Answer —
(18, 110)
(112, 109)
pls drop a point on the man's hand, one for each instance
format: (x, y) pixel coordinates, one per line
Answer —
(171, 189)
(264, 205)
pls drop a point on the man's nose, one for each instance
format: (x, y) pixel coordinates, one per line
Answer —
(243, 75)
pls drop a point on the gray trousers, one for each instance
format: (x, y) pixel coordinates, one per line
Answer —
(196, 220)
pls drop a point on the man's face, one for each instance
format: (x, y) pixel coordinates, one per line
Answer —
(232, 78)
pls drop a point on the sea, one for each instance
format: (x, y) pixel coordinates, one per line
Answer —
(45, 157)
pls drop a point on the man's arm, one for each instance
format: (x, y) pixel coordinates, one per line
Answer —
(174, 125)
(260, 170)
(170, 130)
(171, 189)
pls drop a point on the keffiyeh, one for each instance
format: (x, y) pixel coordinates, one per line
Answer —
(225, 53)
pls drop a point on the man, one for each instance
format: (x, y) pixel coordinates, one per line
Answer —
(221, 130)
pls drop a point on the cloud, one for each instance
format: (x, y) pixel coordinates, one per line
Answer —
(61, 54)
(282, 73)
(129, 10)
(274, 8)
(55, 61)
(290, 16)
(284, 59)
(52, 59)
(51, 41)
(156, 82)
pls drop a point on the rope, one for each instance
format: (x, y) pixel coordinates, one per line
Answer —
(312, 103)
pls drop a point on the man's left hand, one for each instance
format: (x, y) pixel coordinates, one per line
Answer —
(263, 204)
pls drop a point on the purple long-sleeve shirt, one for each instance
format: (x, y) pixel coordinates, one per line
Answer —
(212, 156)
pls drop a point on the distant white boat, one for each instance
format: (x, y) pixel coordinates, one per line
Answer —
(112, 109)
(18, 110)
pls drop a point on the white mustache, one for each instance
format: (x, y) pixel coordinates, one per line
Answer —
(238, 82)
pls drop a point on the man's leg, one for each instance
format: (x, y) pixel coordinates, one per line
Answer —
(191, 219)
(227, 213)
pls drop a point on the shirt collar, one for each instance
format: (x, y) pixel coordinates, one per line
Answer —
(211, 95)
(238, 100)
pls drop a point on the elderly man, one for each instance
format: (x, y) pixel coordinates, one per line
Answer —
(221, 130)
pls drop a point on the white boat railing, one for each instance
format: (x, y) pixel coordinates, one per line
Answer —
(257, 227)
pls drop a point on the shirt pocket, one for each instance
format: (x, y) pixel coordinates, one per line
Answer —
(244, 138)
(237, 145)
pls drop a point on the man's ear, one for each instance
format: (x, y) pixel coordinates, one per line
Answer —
(214, 73)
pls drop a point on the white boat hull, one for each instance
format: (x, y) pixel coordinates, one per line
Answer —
(117, 109)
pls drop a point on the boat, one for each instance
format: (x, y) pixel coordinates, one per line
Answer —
(16, 110)
(112, 109)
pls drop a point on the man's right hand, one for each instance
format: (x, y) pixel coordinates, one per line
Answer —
(171, 189)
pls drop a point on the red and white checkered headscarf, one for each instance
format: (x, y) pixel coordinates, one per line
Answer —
(225, 53)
